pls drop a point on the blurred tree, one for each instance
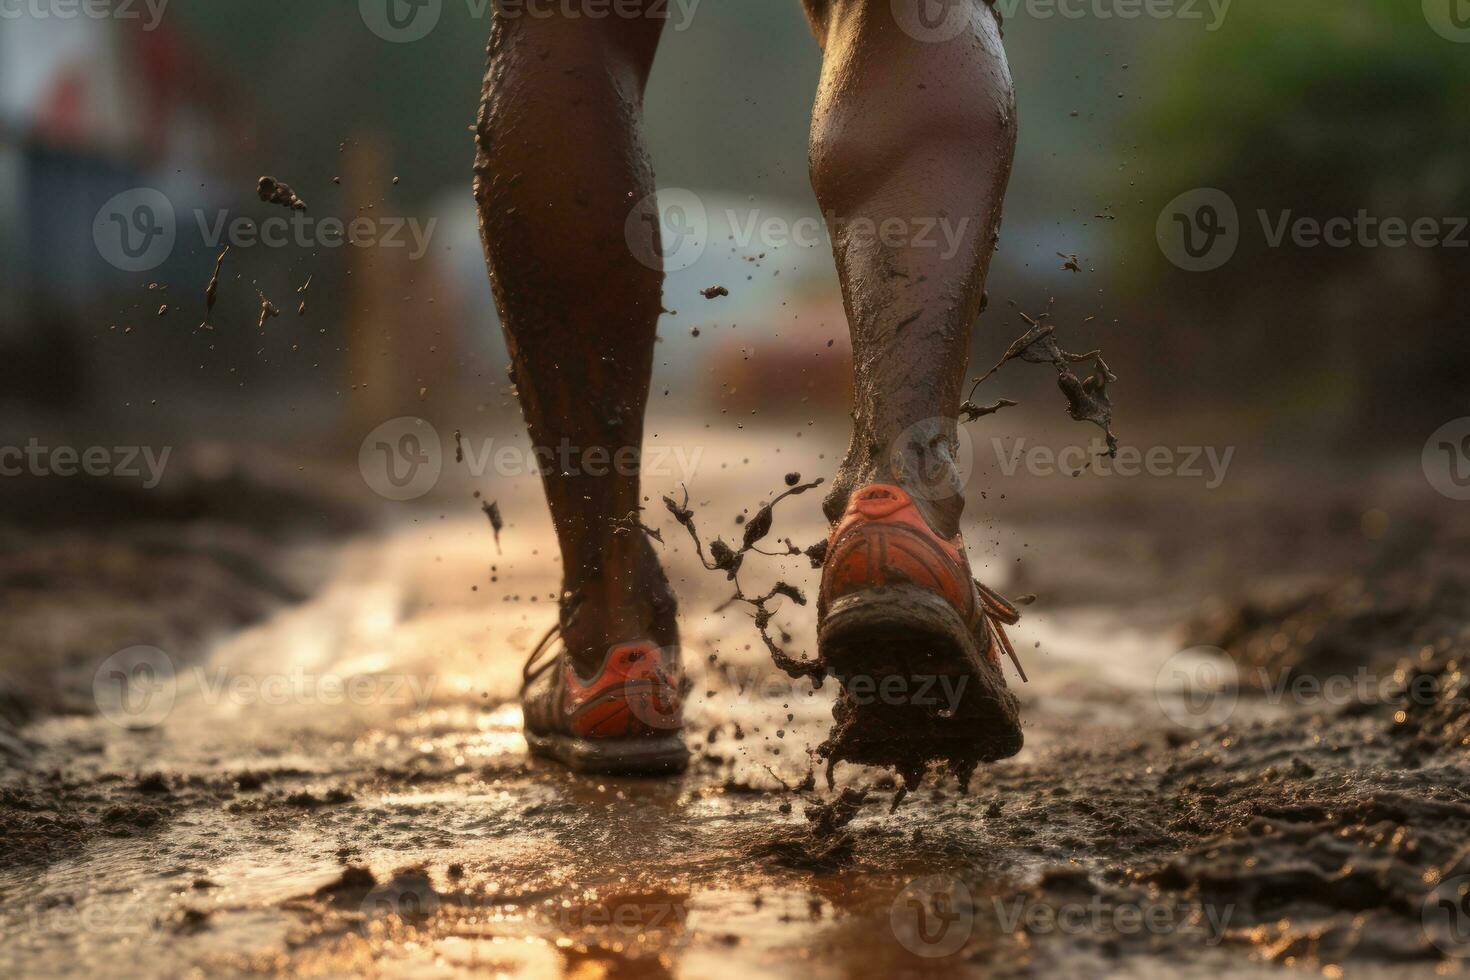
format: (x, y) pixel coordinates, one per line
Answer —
(1313, 109)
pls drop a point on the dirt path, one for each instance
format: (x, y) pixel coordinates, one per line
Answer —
(342, 786)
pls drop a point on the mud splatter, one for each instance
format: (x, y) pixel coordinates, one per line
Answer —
(864, 737)
(724, 558)
(211, 292)
(497, 523)
(1087, 398)
(969, 411)
(310, 801)
(824, 844)
(301, 290)
(268, 311)
(273, 191)
(351, 886)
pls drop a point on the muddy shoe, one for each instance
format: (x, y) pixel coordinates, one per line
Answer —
(625, 720)
(915, 641)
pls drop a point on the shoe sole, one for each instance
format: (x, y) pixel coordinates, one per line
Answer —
(872, 637)
(613, 756)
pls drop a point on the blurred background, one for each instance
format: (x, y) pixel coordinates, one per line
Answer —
(1312, 109)
(1257, 211)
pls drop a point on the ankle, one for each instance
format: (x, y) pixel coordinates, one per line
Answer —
(624, 605)
(924, 468)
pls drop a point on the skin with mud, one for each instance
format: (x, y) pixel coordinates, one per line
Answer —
(570, 224)
(337, 782)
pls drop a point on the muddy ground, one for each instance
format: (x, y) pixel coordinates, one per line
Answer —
(324, 774)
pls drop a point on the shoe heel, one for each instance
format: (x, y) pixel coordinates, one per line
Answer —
(889, 630)
(912, 670)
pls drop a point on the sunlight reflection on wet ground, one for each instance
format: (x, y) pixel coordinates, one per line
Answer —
(481, 859)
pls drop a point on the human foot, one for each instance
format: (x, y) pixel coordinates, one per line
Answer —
(626, 718)
(915, 641)
(602, 692)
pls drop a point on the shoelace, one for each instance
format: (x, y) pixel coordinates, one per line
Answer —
(532, 669)
(999, 610)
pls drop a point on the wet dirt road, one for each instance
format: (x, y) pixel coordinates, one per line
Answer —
(341, 787)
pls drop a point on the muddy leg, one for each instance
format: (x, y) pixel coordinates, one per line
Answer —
(560, 164)
(911, 147)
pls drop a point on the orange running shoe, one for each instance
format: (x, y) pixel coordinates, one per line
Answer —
(625, 720)
(914, 639)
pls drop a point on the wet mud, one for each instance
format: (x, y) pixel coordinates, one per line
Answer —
(417, 837)
(1316, 630)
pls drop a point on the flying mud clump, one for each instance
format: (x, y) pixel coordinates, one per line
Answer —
(726, 559)
(211, 292)
(1087, 398)
(274, 191)
(268, 311)
(909, 753)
